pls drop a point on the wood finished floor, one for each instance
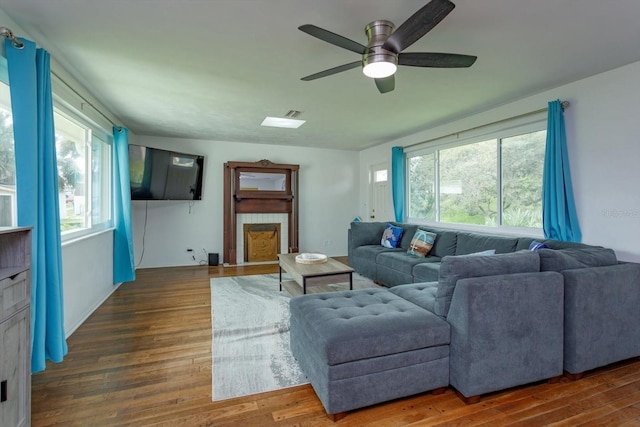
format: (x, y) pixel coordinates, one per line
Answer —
(144, 358)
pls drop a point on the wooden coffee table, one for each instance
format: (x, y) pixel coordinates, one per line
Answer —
(304, 274)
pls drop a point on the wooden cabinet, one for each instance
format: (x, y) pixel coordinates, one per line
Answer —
(15, 331)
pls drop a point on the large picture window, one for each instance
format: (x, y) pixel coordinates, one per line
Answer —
(493, 180)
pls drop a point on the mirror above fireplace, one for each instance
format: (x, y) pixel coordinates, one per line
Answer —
(262, 181)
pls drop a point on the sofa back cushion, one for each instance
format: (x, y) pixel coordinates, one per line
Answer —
(366, 233)
(572, 258)
(475, 242)
(445, 243)
(454, 268)
(408, 231)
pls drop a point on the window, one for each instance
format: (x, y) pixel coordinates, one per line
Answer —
(8, 203)
(494, 181)
(380, 175)
(84, 175)
(422, 186)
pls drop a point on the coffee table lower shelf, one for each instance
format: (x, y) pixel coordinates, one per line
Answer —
(303, 274)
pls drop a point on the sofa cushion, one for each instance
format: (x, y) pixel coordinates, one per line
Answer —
(408, 231)
(474, 242)
(571, 258)
(421, 243)
(454, 268)
(427, 271)
(371, 251)
(391, 236)
(366, 233)
(357, 325)
(523, 243)
(445, 243)
(398, 260)
(421, 294)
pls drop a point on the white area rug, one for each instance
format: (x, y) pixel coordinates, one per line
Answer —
(251, 352)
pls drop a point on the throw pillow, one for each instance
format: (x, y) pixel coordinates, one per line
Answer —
(421, 243)
(482, 253)
(536, 246)
(391, 236)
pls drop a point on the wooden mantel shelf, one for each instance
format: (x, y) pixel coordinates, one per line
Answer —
(263, 195)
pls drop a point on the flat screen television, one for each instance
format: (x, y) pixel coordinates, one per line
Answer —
(157, 174)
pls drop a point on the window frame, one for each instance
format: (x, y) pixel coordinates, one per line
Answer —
(93, 131)
(498, 131)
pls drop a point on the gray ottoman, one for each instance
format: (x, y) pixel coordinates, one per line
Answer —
(367, 346)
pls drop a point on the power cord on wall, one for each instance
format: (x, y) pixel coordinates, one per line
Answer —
(206, 255)
(144, 231)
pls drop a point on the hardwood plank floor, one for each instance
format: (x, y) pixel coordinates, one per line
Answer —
(144, 358)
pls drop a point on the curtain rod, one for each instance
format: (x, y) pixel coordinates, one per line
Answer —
(563, 104)
(5, 32)
(85, 100)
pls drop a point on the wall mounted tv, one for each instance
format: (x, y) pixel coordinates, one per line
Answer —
(164, 175)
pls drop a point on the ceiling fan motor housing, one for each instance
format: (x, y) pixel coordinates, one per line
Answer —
(377, 33)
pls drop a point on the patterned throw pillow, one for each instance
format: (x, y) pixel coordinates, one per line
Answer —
(391, 236)
(536, 246)
(421, 243)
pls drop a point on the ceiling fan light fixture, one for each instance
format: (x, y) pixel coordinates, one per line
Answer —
(377, 62)
(379, 70)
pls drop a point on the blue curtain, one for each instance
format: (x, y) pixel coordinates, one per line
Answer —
(559, 217)
(123, 256)
(37, 188)
(398, 182)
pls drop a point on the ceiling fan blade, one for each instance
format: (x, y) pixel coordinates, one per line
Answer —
(333, 38)
(436, 60)
(386, 84)
(419, 24)
(333, 70)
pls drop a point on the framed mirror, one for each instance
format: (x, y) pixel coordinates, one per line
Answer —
(262, 181)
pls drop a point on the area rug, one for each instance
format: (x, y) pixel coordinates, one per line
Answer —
(250, 345)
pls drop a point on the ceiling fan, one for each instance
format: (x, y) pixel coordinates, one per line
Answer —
(383, 52)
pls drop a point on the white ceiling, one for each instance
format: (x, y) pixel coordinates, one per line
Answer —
(213, 69)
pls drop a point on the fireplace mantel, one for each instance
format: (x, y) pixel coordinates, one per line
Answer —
(278, 195)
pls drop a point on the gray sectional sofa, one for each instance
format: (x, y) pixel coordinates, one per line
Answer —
(477, 323)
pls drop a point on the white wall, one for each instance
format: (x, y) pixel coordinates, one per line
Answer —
(87, 271)
(603, 140)
(327, 201)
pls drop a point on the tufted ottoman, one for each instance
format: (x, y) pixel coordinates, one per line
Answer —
(367, 346)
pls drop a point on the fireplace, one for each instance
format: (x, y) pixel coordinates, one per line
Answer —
(261, 242)
(260, 192)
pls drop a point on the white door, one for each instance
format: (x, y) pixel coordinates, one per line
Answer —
(379, 192)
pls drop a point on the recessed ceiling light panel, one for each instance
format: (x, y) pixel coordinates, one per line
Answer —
(281, 122)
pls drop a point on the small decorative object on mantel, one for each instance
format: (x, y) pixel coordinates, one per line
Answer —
(305, 258)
